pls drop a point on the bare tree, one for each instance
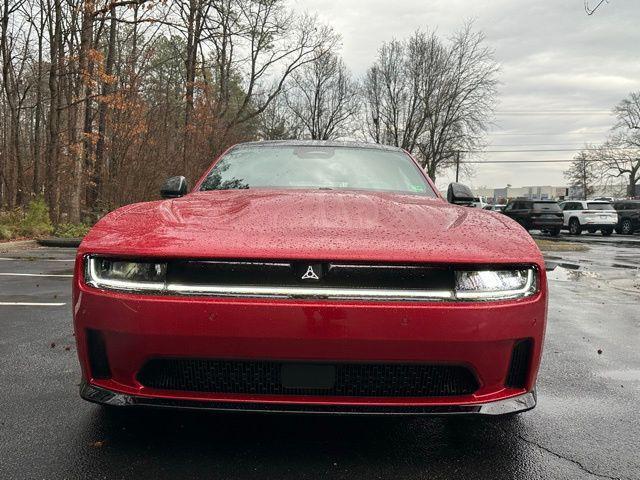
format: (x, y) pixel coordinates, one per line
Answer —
(432, 98)
(627, 112)
(323, 97)
(101, 99)
(583, 173)
(14, 49)
(263, 43)
(238, 55)
(620, 154)
(276, 121)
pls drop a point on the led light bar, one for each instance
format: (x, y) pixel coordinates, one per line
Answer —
(151, 277)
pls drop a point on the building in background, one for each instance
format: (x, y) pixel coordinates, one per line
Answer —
(548, 192)
(541, 192)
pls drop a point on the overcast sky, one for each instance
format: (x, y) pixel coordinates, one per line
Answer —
(561, 70)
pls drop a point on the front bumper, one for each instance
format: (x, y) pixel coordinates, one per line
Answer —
(517, 404)
(546, 223)
(480, 336)
(600, 223)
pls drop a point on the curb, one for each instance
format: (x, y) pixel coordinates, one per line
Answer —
(59, 242)
(16, 245)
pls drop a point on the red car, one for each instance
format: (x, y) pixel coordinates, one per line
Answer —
(310, 277)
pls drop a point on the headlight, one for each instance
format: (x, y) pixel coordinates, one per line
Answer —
(123, 275)
(495, 284)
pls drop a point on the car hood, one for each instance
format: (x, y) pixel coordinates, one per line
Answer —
(321, 225)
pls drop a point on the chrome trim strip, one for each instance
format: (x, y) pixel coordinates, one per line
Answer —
(520, 403)
(381, 267)
(226, 262)
(308, 292)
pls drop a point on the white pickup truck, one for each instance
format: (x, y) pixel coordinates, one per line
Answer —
(590, 215)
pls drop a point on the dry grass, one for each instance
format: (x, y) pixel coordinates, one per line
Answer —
(559, 246)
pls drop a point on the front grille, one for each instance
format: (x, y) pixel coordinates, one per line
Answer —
(519, 366)
(298, 273)
(265, 378)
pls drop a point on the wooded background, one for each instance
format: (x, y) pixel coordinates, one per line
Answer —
(101, 100)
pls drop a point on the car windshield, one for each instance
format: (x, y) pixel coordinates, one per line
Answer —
(546, 207)
(317, 167)
(600, 206)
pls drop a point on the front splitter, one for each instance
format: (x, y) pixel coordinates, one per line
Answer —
(520, 403)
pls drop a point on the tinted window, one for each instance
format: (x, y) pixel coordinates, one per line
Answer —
(600, 206)
(317, 167)
(546, 207)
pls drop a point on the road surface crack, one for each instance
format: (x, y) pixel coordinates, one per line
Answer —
(560, 456)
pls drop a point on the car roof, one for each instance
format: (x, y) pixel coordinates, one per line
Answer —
(317, 143)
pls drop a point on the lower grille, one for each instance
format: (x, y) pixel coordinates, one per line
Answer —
(351, 380)
(519, 366)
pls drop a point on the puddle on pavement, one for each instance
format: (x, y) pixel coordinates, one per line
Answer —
(567, 272)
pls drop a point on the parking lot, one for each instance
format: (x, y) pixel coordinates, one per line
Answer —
(592, 238)
(586, 424)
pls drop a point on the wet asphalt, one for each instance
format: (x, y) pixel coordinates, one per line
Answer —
(586, 424)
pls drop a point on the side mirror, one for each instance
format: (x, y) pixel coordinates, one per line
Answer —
(459, 194)
(174, 187)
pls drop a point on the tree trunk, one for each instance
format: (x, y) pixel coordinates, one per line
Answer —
(107, 89)
(16, 177)
(80, 111)
(35, 185)
(51, 159)
(194, 28)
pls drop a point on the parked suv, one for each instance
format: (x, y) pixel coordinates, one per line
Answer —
(544, 215)
(591, 215)
(628, 216)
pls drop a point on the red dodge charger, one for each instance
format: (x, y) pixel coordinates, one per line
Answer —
(310, 277)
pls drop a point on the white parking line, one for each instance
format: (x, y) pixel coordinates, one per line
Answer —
(18, 259)
(32, 304)
(34, 275)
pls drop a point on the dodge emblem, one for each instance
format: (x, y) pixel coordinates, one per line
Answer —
(310, 274)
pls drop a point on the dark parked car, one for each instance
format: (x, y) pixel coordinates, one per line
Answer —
(544, 215)
(628, 216)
